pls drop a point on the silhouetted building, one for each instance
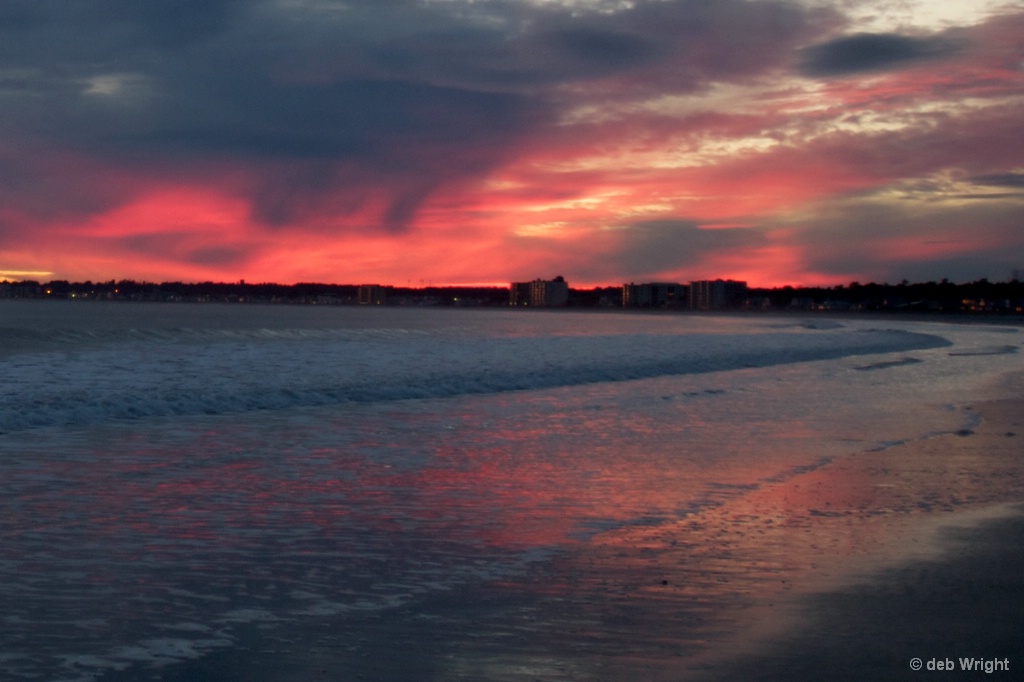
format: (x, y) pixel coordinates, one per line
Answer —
(540, 293)
(373, 294)
(655, 295)
(717, 294)
(519, 293)
(549, 293)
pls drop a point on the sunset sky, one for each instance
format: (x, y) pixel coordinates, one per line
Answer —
(409, 142)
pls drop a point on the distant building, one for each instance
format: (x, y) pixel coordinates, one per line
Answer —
(655, 295)
(717, 294)
(540, 293)
(549, 294)
(519, 294)
(373, 294)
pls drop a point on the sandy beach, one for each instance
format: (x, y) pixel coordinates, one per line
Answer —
(847, 571)
(956, 617)
(940, 581)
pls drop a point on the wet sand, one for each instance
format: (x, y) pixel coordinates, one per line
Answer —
(922, 557)
(849, 570)
(843, 571)
(944, 580)
(964, 604)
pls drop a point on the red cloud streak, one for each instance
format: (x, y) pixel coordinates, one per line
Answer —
(629, 161)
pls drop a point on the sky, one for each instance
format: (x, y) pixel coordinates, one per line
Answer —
(416, 142)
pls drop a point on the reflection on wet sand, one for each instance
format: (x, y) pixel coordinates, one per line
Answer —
(588, 541)
(687, 599)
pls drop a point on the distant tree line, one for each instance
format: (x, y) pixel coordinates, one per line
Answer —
(127, 289)
(244, 292)
(943, 296)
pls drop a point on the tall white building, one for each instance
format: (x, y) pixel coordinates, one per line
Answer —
(540, 293)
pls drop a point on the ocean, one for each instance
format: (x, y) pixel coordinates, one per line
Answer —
(493, 494)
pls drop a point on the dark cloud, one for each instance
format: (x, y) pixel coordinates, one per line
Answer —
(179, 246)
(1013, 180)
(650, 247)
(310, 79)
(888, 241)
(43, 183)
(377, 121)
(598, 48)
(873, 52)
(68, 38)
(991, 263)
(218, 256)
(406, 96)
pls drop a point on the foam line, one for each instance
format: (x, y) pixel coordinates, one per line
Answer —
(146, 378)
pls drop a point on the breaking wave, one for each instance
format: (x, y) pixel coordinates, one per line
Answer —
(207, 372)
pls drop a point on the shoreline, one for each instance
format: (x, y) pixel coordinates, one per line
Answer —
(845, 572)
(944, 583)
(962, 605)
(965, 317)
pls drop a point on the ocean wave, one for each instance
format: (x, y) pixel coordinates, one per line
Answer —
(145, 377)
(68, 338)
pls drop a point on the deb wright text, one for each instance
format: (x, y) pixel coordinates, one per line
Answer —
(981, 665)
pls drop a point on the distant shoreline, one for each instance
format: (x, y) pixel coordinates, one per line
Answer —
(1015, 319)
(941, 580)
(928, 300)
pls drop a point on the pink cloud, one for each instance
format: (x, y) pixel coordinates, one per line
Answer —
(600, 147)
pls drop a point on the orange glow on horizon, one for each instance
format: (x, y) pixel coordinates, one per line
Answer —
(543, 158)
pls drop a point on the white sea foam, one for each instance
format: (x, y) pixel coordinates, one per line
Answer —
(362, 494)
(146, 378)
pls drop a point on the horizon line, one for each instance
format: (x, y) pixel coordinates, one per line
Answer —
(471, 285)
